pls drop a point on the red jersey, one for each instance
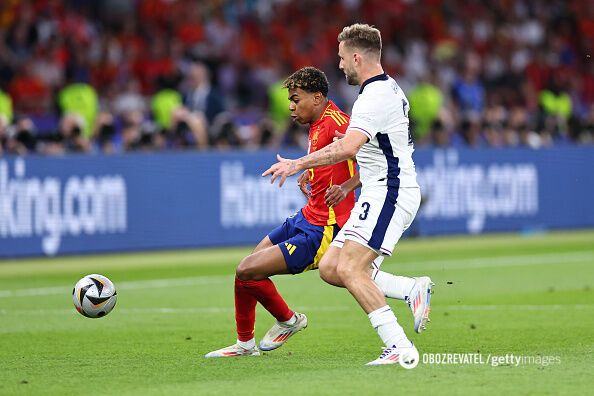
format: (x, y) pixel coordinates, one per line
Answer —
(321, 134)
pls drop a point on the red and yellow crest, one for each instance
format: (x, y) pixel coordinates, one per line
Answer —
(314, 139)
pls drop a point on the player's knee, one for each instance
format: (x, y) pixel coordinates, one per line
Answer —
(346, 272)
(328, 273)
(246, 269)
(343, 271)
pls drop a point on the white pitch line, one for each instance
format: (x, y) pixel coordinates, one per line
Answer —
(340, 308)
(502, 261)
(132, 285)
(474, 263)
(165, 310)
(511, 307)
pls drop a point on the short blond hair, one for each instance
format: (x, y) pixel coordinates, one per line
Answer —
(363, 37)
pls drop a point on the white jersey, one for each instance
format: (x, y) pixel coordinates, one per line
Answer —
(381, 113)
(390, 196)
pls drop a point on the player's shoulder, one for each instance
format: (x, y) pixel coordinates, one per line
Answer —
(379, 88)
(333, 117)
(368, 101)
(375, 96)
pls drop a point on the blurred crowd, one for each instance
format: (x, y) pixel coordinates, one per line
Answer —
(128, 75)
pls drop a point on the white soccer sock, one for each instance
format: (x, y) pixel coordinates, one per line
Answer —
(251, 344)
(384, 322)
(291, 321)
(393, 286)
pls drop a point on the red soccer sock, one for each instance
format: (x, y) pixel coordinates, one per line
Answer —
(267, 295)
(245, 310)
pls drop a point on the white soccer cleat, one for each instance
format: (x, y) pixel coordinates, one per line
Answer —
(233, 351)
(419, 302)
(280, 333)
(407, 357)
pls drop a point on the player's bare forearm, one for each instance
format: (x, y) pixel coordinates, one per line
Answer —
(335, 194)
(331, 154)
(352, 184)
(302, 182)
(338, 151)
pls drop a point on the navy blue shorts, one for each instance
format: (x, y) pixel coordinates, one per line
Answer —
(302, 243)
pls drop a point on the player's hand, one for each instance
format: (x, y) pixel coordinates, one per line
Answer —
(282, 169)
(334, 195)
(302, 182)
(338, 135)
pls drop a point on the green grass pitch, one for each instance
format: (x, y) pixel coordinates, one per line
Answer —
(494, 295)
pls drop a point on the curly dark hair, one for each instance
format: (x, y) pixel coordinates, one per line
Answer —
(309, 79)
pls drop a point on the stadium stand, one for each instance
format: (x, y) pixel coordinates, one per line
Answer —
(126, 75)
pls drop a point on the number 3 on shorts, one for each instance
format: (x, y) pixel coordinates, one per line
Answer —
(365, 206)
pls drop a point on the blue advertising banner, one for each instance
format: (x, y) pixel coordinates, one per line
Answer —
(471, 191)
(86, 204)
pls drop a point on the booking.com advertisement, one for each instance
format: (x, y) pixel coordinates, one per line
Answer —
(85, 204)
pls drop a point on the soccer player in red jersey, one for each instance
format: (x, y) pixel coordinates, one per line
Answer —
(298, 244)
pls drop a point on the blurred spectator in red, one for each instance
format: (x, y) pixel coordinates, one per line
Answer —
(155, 63)
(29, 93)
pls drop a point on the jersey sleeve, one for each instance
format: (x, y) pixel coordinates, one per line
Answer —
(342, 128)
(366, 116)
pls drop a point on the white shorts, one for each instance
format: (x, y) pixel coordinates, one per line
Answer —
(379, 218)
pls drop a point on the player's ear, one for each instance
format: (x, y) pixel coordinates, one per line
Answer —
(318, 98)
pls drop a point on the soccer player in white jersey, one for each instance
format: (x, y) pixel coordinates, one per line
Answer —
(378, 134)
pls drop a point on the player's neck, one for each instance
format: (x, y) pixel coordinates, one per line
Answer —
(371, 71)
(319, 111)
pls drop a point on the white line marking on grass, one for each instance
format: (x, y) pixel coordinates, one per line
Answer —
(341, 308)
(473, 263)
(502, 261)
(511, 307)
(132, 285)
(217, 310)
(164, 310)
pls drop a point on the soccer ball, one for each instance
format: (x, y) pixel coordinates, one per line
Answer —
(94, 296)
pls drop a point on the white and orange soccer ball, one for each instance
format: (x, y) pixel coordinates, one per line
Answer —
(94, 296)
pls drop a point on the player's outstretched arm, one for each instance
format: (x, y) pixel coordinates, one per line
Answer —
(335, 194)
(338, 135)
(333, 153)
